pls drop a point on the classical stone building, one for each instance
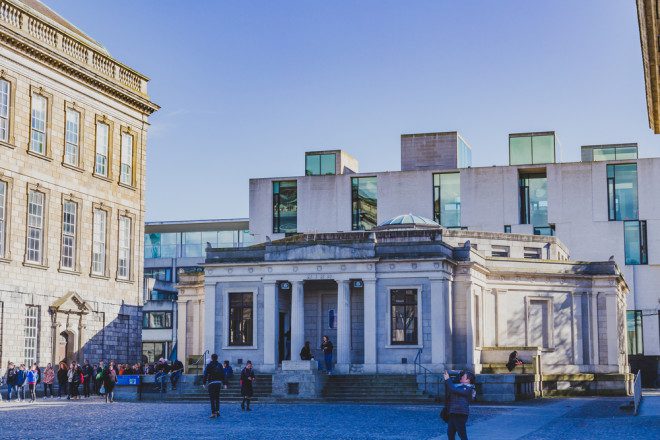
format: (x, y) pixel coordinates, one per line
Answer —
(73, 133)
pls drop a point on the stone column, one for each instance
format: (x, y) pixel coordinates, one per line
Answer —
(612, 331)
(593, 325)
(370, 356)
(297, 319)
(440, 291)
(271, 318)
(181, 336)
(343, 324)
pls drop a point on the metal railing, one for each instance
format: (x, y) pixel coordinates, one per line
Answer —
(637, 391)
(421, 369)
(201, 358)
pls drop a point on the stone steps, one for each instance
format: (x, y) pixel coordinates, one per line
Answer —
(374, 388)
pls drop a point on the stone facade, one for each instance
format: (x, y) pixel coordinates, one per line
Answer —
(50, 309)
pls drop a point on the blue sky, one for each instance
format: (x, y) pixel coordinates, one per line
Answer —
(247, 86)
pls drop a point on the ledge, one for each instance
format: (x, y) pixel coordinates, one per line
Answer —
(125, 281)
(40, 156)
(131, 187)
(35, 265)
(72, 167)
(69, 271)
(102, 177)
(7, 144)
(100, 277)
(5, 259)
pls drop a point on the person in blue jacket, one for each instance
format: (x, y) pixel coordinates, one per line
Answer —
(21, 380)
(460, 396)
(32, 379)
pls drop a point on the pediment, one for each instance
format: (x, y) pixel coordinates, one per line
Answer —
(71, 302)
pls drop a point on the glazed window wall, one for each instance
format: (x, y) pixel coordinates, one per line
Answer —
(364, 203)
(157, 320)
(534, 199)
(614, 153)
(464, 154)
(634, 234)
(285, 207)
(320, 164)
(447, 199)
(192, 244)
(528, 150)
(634, 328)
(622, 192)
(160, 273)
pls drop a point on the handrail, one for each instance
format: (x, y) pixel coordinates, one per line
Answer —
(422, 369)
(637, 391)
(203, 356)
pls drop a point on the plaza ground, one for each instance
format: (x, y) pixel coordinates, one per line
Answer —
(582, 418)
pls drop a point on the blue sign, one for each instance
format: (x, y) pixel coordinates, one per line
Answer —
(128, 380)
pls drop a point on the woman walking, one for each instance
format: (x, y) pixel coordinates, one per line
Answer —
(109, 381)
(32, 377)
(247, 380)
(460, 396)
(62, 379)
(48, 380)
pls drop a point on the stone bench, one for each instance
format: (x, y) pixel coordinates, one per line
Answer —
(494, 359)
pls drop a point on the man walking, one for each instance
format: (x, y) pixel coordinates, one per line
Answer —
(214, 375)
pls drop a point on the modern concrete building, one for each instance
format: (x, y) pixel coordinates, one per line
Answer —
(73, 139)
(170, 248)
(603, 208)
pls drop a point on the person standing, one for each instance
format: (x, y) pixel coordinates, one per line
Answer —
(327, 348)
(32, 378)
(62, 379)
(87, 373)
(214, 375)
(109, 382)
(229, 372)
(460, 396)
(48, 380)
(10, 379)
(247, 380)
(21, 383)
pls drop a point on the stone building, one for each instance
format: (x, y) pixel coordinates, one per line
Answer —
(73, 133)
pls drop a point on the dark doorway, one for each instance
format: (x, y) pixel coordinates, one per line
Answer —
(65, 347)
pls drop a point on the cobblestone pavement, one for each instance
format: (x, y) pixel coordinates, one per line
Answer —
(92, 419)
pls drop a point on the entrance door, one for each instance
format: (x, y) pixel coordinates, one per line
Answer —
(329, 320)
(284, 337)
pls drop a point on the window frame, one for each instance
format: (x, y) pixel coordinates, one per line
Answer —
(420, 335)
(10, 142)
(255, 319)
(5, 245)
(127, 131)
(29, 317)
(550, 324)
(145, 319)
(76, 235)
(102, 119)
(356, 222)
(106, 267)
(643, 243)
(126, 215)
(71, 106)
(48, 109)
(437, 196)
(611, 196)
(43, 262)
(277, 211)
(639, 350)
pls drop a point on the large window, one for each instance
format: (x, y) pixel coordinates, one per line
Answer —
(35, 229)
(156, 320)
(320, 164)
(161, 245)
(527, 149)
(126, 171)
(102, 147)
(447, 199)
(124, 255)
(534, 199)
(240, 318)
(634, 234)
(364, 203)
(99, 242)
(72, 137)
(464, 154)
(622, 192)
(5, 90)
(285, 207)
(69, 219)
(634, 326)
(404, 316)
(38, 124)
(31, 332)
(623, 152)
(159, 273)
(3, 216)
(152, 351)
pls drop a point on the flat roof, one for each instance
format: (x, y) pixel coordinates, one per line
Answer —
(223, 224)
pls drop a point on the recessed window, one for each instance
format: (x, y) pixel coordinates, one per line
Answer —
(72, 137)
(161, 274)
(5, 90)
(447, 199)
(38, 124)
(622, 192)
(99, 242)
(102, 147)
(544, 230)
(124, 255)
(532, 253)
(31, 334)
(528, 149)
(534, 199)
(285, 207)
(507, 229)
(152, 351)
(332, 319)
(500, 251)
(364, 203)
(156, 320)
(635, 337)
(634, 234)
(35, 228)
(69, 219)
(3, 216)
(126, 172)
(320, 164)
(403, 303)
(240, 318)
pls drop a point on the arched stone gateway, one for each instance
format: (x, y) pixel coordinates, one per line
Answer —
(68, 323)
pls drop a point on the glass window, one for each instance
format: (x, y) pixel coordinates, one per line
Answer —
(507, 229)
(500, 251)
(161, 274)
(601, 154)
(31, 333)
(312, 165)
(98, 242)
(327, 164)
(520, 150)
(102, 146)
(464, 154)
(543, 149)
(209, 238)
(614, 153)
(622, 192)
(126, 172)
(192, 244)
(4, 110)
(227, 239)
(626, 153)
(364, 201)
(72, 137)
(544, 230)
(3, 215)
(404, 316)
(634, 328)
(38, 124)
(124, 254)
(634, 237)
(152, 351)
(35, 232)
(534, 199)
(240, 318)
(532, 253)
(154, 320)
(69, 218)
(447, 199)
(246, 238)
(285, 207)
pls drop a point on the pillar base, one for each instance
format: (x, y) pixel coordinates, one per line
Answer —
(300, 365)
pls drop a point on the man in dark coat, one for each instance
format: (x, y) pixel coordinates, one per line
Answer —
(214, 375)
(247, 380)
(327, 347)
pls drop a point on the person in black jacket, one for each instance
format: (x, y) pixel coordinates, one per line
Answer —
(62, 379)
(513, 361)
(247, 380)
(214, 375)
(306, 352)
(88, 373)
(327, 347)
(11, 377)
(460, 396)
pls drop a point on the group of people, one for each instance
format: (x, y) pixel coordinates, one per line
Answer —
(217, 375)
(96, 379)
(326, 347)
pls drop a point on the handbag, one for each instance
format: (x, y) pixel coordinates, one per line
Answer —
(102, 389)
(444, 414)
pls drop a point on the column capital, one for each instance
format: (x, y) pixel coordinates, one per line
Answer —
(268, 282)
